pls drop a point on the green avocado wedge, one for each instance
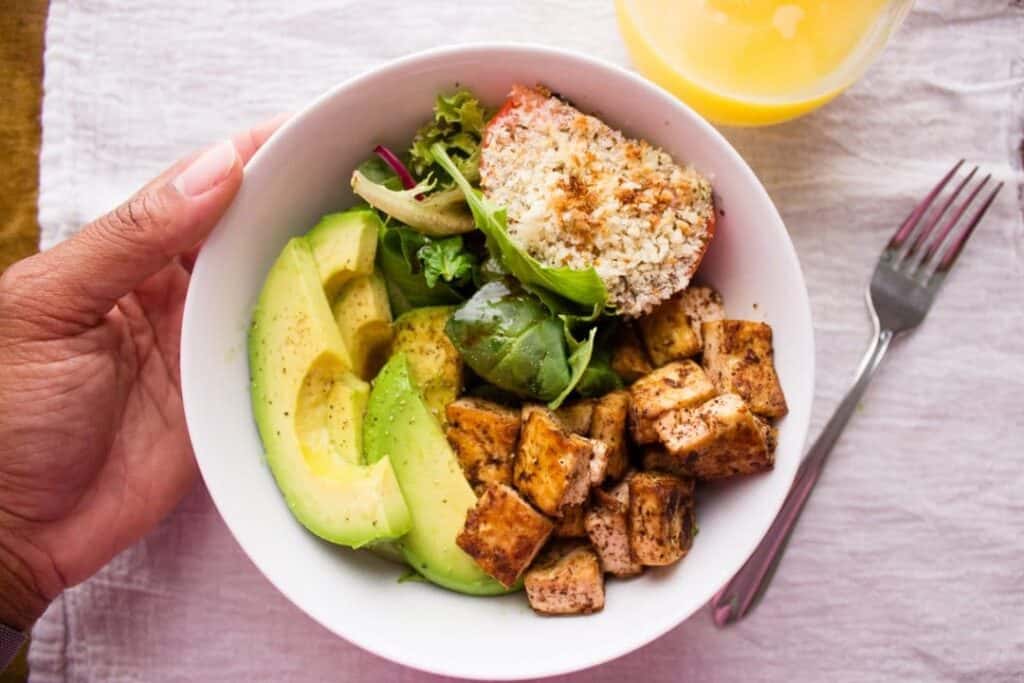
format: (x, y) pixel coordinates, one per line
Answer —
(309, 408)
(344, 245)
(399, 426)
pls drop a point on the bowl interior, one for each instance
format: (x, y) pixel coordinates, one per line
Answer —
(302, 173)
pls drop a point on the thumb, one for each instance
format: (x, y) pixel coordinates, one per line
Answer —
(86, 275)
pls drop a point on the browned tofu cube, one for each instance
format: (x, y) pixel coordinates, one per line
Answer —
(721, 438)
(702, 304)
(598, 462)
(566, 580)
(739, 359)
(609, 427)
(571, 523)
(661, 518)
(503, 533)
(629, 358)
(655, 457)
(484, 436)
(770, 432)
(672, 330)
(607, 525)
(551, 466)
(675, 386)
(576, 417)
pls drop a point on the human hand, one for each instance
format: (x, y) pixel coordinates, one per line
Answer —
(93, 445)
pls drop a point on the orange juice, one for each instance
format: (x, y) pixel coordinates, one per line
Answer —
(750, 62)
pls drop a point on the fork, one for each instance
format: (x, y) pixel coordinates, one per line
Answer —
(909, 274)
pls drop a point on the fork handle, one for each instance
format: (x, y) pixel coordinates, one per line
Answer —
(736, 599)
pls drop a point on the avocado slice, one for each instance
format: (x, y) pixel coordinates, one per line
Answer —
(344, 245)
(309, 410)
(434, 362)
(363, 315)
(400, 426)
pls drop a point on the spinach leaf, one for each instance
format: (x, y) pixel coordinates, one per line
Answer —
(578, 362)
(398, 259)
(583, 287)
(599, 378)
(447, 260)
(512, 341)
(458, 125)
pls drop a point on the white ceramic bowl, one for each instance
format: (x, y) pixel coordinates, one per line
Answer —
(302, 173)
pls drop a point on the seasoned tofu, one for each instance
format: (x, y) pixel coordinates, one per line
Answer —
(567, 579)
(672, 331)
(503, 533)
(770, 432)
(720, 438)
(739, 359)
(576, 417)
(607, 526)
(629, 358)
(571, 523)
(484, 437)
(661, 517)
(656, 458)
(675, 386)
(702, 304)
(608, 426)
(551, 466)
(578, 193)
(598, 462)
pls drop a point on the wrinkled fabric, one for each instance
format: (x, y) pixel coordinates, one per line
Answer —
(908, 564)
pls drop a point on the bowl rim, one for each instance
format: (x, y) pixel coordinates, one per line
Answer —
(625, 645)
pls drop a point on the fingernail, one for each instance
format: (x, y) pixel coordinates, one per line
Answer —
(208, 170)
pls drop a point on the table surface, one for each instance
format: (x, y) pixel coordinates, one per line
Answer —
(907, 563)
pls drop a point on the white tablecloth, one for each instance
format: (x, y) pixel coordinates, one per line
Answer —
(909, 561)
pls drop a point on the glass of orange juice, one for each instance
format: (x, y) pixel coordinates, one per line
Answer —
(756, 62)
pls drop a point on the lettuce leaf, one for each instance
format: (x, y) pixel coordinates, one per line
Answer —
(583, 287)
(458, 125)
(438, 214)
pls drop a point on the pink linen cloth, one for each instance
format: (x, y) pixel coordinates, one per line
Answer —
(909, 562)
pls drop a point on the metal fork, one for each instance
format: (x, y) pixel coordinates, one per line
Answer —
(908, 275)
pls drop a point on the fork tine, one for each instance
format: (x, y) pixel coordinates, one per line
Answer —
(910, 222)
(922, 236)
(958, 243)
(952, 222)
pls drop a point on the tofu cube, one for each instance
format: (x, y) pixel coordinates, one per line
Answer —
(608, 426)
(661, 518)
(607, 526)
(672, 331)
(598, 462)
(675, 386)
(739, 359)
(571, 523)
(576, 417)
(551, 467)
(656, 458)
(484, 437)
(721, 438)
(702, 304)
(503, 533)
(629, 358)
(566, 580)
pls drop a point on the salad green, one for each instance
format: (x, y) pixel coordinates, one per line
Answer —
(525, 328)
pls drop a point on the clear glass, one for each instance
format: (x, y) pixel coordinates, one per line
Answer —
(756, 62)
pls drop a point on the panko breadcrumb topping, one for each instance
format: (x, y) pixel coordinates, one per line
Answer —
(581, 194)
